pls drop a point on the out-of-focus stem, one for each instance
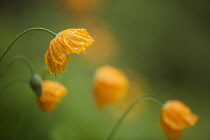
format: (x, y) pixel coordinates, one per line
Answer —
(22, 58)
(117, 125)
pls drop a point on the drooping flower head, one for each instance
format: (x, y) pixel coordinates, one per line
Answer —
(175, 116)
(110, 85)
(52, 93)
(66, 42)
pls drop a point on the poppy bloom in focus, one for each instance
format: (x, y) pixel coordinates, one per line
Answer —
(175, 116)
(52, 93)
(64, 43)
(110, 85)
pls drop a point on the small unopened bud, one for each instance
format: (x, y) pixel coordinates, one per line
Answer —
(36, 84)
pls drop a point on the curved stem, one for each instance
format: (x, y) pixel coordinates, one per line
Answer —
(27, 62)
(30, 29)
(13, 82)
(153, 97)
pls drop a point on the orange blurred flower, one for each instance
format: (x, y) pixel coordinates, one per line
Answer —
(105, 43)
(172, 134)
(106, 40)
(175, 116)
(52, 93)
(66, 42)
(83, 6)
(110, 85)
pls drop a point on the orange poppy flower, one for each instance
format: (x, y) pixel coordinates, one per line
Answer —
(175, 116)
(66, 42)
(52, 93)
(172, 134)
(110, 85)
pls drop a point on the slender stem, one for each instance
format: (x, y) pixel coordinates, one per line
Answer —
(149, 96)
(30, 29)
(22, 58)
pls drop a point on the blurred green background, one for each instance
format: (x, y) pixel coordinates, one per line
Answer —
(162, 46)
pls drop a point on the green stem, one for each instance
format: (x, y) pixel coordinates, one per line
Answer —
(30, 29)
(22, 58)
(153, 97)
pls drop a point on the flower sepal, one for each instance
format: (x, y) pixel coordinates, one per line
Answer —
(36, 84)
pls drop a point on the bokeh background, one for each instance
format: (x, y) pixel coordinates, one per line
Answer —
(162, 47)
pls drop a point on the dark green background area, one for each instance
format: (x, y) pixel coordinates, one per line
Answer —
(166, 42)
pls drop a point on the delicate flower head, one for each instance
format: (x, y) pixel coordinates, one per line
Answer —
(110, 85)
(175, 116)
(66, 42)
(52, 93)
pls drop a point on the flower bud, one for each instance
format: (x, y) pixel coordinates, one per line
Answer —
(53, 92)
(36, 84)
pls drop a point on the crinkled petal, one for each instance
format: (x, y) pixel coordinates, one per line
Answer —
(66, 42)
